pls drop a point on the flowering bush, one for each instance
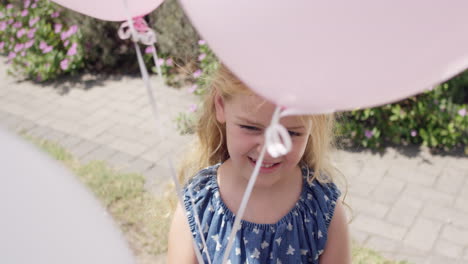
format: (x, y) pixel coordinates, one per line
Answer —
(39, 45)
(437, 119)
(201, 77)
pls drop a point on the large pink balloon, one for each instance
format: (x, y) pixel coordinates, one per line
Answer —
(48, 216)
(320, 56)
(112, 10)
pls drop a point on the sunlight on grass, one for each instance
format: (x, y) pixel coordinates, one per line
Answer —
(367, 256)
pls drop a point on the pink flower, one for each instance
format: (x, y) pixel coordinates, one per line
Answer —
(368, 133)
(64, 35)
(64, 64)
(24, 13)
(169, 62)
(10, 21)
(19, 47)
(72, 50)
(2, 45)
(11, 55)
(42, 45)
(23, 53)
(193, 108)
(39, 78)
(29, 44)
(3, 26)
(414, 133)
(21, 32)
(201, 42)
(33, 21)
(27, 3)
(197, 73)
(57, 28)
(160, 62)
(66, 43)
(55, 14)
(149, 50)
(462, 112)
(17, 25)
(9, 6)
(47, 49)
(202, 56)
(192, 88)
(33, 5)
(31, 33)
(73, 29)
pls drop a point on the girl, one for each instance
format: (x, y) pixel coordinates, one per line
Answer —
(293, 215)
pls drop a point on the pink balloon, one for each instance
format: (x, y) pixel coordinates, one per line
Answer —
(112, 10)
(322, 56)
(48, 216)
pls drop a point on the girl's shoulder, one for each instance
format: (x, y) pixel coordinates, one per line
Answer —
(320, 194)
(204, 179)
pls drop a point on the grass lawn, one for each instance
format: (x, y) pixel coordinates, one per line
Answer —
(143, 218)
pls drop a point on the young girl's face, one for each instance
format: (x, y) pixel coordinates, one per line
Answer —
(246, 117)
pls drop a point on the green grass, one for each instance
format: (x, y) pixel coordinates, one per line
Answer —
(143, 218)
(367, 256)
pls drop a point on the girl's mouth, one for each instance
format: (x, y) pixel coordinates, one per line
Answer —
(266, 166)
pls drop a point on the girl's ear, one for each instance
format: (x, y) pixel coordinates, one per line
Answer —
(219, 108)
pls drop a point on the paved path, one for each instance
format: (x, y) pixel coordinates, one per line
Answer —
(406, 203)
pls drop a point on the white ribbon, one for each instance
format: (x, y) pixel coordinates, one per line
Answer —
(145, 35)
(277, 138)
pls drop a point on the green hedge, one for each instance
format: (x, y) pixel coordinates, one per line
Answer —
(31, 36)
(436, 118)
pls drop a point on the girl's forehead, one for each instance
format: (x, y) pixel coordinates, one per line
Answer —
(259, 110)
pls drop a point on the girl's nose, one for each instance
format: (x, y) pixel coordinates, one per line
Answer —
(260, 144)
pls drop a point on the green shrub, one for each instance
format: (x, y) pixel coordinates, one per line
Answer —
(176, 36)
(435, 118)
(98, 46)
(39, 44)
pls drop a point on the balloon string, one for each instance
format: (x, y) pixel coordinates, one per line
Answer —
(156, 59)
(197, 220)
(145, 76)
(243, 205)
(278, 143)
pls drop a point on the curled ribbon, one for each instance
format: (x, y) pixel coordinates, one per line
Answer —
(144, 34)
(277, 138)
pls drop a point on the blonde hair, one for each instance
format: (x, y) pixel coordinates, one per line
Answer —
(211, 148)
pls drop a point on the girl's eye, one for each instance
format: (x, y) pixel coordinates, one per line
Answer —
(256, 129)
(294, 134)
(250, 128)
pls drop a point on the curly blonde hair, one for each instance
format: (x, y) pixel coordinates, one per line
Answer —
(211, 148)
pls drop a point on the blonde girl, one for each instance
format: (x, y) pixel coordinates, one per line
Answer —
(294, 214)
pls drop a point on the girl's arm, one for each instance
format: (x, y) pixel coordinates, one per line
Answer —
(338, 249)
(180, 240)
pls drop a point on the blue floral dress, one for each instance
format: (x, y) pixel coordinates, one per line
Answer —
(299, 237)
